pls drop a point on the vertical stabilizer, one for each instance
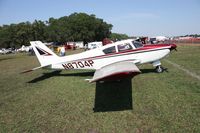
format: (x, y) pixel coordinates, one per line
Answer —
(43, 53)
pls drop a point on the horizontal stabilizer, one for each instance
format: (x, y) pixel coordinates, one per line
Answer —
(26, 71)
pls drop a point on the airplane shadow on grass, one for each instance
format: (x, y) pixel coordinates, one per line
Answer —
(109, 96)
(58, 73)
(79, 74)
(113, 96)
(8, 58)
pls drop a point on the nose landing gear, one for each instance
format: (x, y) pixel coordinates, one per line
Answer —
(159, 68)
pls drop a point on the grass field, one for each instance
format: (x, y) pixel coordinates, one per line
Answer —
(61, 101)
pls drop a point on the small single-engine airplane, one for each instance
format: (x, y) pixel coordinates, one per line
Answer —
(111, 62)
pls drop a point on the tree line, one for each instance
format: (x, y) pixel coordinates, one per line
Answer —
(75, 27)
(191, 35)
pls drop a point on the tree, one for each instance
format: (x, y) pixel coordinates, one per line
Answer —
(80, 26)
(75, 27)
(23, 33)
(53, 30)
(4, 36)
(38, 30)
(117, 36)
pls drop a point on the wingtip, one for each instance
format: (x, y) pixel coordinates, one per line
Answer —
(26, 71)
(89, 80)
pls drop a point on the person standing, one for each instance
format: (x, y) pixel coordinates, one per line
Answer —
(62, 51)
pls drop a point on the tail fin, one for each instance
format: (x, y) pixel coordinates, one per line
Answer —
(43, 53)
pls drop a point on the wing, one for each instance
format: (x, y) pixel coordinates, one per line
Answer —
(115, 71)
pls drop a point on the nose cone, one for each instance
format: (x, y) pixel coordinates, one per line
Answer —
(173, 46)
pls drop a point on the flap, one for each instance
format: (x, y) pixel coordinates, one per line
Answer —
(116, 71)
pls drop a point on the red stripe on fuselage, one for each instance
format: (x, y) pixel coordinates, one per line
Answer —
(146, 48)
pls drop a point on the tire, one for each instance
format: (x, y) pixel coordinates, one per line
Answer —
(159, 69)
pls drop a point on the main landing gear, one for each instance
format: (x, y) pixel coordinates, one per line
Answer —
(159, 69)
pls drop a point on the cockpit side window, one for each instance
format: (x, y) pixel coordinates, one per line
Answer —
(137, 44)
(109, 50)
(124, 47)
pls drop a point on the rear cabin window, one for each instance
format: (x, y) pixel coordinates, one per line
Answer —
(137, 44)
(124, 47)
(109, 50)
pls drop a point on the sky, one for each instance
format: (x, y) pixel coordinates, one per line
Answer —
(131, 17)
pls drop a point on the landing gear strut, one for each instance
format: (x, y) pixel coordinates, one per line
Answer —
(159, 69)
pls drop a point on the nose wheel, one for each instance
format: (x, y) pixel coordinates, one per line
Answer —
(159, 69)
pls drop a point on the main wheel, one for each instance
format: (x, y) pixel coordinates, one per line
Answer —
(159, 69)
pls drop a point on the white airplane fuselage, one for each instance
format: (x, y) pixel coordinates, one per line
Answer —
(97, 58)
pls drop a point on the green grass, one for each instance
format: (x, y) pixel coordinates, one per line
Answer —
(46, 101)
(188, 57)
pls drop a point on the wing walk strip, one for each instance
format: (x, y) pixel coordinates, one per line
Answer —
(183, 69)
